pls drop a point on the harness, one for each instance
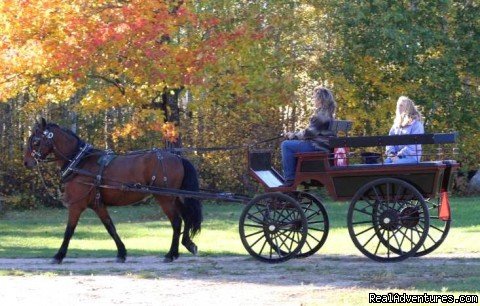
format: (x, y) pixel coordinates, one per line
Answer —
(103, 161)
(158, 153)
(68, 169)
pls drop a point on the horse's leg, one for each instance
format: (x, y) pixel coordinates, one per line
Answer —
(102, 213)
(74, 213)
(186, 240)
(176, 222)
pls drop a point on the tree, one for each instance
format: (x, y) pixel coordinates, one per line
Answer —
(424, 50)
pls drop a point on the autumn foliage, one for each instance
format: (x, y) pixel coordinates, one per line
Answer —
(136, 74)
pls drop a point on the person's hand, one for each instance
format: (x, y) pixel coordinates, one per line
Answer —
(391, 154)
(289, 135)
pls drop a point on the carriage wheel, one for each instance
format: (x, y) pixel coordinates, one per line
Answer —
(437, 232)
(388, 220)
(273, 227)
(317, 222)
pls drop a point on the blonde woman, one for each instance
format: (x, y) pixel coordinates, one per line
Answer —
(313, 138)
(408, 120)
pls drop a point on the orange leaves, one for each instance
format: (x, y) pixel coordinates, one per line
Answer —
(123, 53)
(129, 130)
(146, 122)
(170, 133)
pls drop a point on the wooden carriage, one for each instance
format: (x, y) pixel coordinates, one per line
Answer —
(396, 210)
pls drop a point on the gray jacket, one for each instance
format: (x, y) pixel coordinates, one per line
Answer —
(317, 132)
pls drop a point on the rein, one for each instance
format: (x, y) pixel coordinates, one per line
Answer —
(230, 148)
(42, 179)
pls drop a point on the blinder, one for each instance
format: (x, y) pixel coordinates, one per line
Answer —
(35, 141)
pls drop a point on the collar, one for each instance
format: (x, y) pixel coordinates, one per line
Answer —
(74, 162)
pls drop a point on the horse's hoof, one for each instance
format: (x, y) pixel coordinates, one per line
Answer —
(56, 261)
(193, 249)
(120, 259)
(170, 258)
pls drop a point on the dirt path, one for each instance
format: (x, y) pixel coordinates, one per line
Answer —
(229, 280)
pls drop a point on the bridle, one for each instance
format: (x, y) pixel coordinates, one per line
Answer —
(47, 135)
(34, 139)
(70, 162)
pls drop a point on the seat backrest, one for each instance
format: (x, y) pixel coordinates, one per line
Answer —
(341, 127)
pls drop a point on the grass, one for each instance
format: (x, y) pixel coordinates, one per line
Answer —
(146, 231)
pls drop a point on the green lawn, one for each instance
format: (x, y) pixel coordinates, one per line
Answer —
(145, 231)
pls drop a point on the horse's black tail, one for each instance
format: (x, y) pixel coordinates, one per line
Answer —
(191, 210)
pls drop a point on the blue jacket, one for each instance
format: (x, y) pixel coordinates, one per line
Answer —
(407, 150)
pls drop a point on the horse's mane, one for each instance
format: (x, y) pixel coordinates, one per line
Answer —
(65, 130)
(80, 142)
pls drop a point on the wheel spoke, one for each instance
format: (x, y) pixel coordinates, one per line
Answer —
(316, 222)
(263, 246)
(279, 247)
(254, 233)
(364, 231)
(379, 199)
(370, 239)
(313, 215)
(364, 212)
(399, 194)
(396, 240)
(361, 222)
(428, 234)
(308, 244)
(263, 210)
(315, 229)
(378, 245)
(253, 218)
(403, 236)
(438, 229)
(314, 238)
(256, 241)
(388, 194)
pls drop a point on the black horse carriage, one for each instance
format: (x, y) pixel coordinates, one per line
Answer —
(393, 213)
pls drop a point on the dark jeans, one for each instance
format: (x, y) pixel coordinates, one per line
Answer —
(289, 161)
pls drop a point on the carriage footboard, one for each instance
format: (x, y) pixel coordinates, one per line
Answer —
(261, 169)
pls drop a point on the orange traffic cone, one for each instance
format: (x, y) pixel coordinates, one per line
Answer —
(444, 208)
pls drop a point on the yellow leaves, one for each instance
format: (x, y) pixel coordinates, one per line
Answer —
(170, 132)
(28, 58)
(145, 122)
(129, 130)
(56, 91)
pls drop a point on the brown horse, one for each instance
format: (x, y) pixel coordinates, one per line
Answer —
(86, 179)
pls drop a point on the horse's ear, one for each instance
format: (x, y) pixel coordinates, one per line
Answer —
(44, 123)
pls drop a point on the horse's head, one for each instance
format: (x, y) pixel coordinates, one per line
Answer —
(40, 144)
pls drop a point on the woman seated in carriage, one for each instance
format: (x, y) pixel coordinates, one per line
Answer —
(408, 120)
(314, 137)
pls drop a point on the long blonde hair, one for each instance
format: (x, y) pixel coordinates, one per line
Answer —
(325, 98)
(406, 112)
